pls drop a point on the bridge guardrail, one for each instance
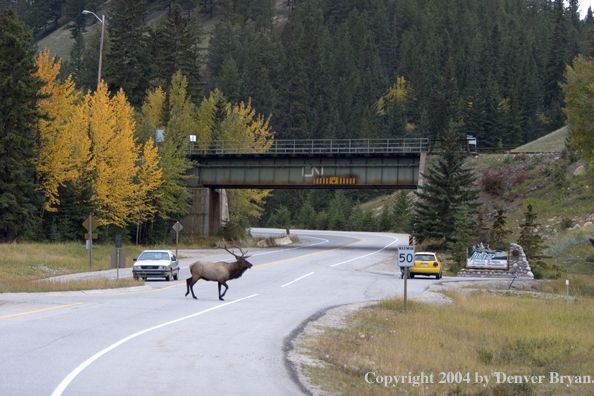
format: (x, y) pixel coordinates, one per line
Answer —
(313, 146)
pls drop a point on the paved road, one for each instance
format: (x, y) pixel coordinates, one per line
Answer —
(154, 341)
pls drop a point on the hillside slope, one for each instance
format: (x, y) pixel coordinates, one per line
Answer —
(60, 43)
(560, 189)
(554, 142)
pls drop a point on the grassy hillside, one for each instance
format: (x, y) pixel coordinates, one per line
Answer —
(60, 43)
(554, 142)
(560, 189)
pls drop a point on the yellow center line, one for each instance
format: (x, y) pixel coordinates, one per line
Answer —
(311, 254)
(40, 310)
(148, 291)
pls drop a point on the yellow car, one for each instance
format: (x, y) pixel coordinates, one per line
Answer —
(427, 263)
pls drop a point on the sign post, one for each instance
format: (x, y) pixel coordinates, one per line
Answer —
(90, 225)
(406, 259)
(118, 245)
(177, 227)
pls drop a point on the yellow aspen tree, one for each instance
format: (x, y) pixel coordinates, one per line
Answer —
(207, 117)
(148, 180)
(63, 150)
(112, 166)
(176, 116)
(256, 130)
(400, 92)
(240, 124)
(152, 115)
(182, 113)
(579, 108)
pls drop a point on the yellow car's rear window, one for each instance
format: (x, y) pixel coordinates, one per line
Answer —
(424, 257)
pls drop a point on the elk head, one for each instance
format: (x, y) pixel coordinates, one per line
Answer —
(241, 260)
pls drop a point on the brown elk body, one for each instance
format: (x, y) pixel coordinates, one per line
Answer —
(219, 271)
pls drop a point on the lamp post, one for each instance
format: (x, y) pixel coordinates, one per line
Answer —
(102, 20)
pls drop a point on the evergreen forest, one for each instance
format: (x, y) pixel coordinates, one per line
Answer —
(297, 69)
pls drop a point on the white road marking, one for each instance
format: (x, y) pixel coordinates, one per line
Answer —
(297, 279)
(70, 377)
(357, 258)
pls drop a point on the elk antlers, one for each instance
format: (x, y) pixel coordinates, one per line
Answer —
(243, 255)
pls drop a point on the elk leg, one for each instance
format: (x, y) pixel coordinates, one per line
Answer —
(222, 295)
(190, 287)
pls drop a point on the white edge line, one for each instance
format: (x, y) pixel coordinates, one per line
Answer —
(70, 377)
(356, 258)
(297, 279)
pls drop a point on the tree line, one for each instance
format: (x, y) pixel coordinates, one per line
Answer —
(333, 69)
(346, 68)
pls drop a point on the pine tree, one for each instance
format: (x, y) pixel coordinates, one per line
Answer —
(223, 44)
(281, 218)
(499, 233)
(259, 69)
(306, 219)
(447, 188)
(402, 212)
(356, 218)
(128, 63)
(530, 239)
(368, 222)
(322, 220)
(556, 65)
(228, 80)
(339, 211)
(461, 236)
(19, 112)
(385, 221)
(178, 51)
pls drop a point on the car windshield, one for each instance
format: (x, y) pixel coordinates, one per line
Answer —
(153, 256)
(424, 257)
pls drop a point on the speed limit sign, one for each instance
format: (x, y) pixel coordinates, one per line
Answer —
(406, 256)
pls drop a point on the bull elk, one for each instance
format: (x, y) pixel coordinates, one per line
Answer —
(219, 271)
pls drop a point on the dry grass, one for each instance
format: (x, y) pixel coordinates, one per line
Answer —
(22, 264)
(478, 334)
(26, 286)
(579, 286)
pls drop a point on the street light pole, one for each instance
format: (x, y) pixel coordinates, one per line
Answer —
(102, 20)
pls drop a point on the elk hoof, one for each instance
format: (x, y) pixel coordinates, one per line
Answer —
(195, 298)
(221, 298)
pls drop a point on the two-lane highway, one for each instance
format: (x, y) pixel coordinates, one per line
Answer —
(158, 342)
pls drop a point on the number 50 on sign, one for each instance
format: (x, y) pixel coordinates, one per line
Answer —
(406, 256)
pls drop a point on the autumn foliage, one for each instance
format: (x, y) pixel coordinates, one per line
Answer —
(92, 146)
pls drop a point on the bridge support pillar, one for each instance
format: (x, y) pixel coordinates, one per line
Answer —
(209, 212)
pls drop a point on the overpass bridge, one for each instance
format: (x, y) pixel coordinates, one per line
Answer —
(296, 164)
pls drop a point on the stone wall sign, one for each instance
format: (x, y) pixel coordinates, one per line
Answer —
(518, 267)
(482, 257)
